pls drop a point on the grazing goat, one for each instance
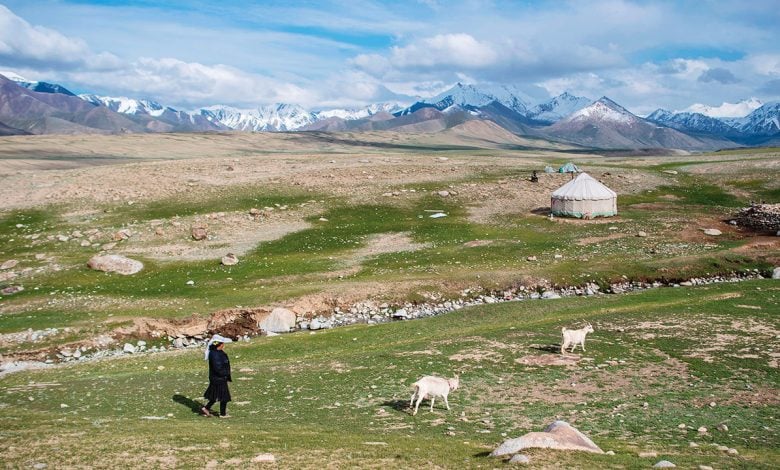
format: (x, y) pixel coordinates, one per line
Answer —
(433, 387)
(574, 337)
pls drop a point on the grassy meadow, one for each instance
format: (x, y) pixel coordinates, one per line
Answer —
(350, 222)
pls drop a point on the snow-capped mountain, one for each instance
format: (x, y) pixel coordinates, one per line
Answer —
(763, 121)
(471, 97)
(359, 113)
(126, 105)
(606, 124)
(40, 87)
(690, 122)
(558, 108)
(726, 110)
(278, 117)
(605, 110)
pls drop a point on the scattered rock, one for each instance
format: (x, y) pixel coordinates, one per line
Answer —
(199, 233)
(641, 233)
(664, 464)
(115, 264)
(123, 234)
(531, 258)
(520, 459)
(648, 454)
(108, 246)
(732, 451)
(702, 430)
(669, 172)
(705, 467)
(264, 458)
(230, 259)
(558, 435)
(776, 273)
(712, 232)
(280, 320)
(443, 193)
(11, 290)
(128, 348)
(681, 426)
(610, 452)
(159, 231)
(11, 263)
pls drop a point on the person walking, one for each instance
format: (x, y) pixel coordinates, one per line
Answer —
(219, 376)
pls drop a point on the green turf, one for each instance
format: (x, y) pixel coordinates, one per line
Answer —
(338, 398)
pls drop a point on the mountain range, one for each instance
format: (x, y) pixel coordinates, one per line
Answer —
(29, 107)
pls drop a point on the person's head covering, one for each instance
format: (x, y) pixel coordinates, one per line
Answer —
(215, 340)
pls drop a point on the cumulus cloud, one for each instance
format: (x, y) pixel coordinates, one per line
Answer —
(719, 75)
(459, 50)
(740, 109)
(191, 84)
(25, 45)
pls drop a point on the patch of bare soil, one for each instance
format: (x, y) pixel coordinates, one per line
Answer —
(549, 360)
(382, 243)
(231, 232)
(694, 230)
(592, 240)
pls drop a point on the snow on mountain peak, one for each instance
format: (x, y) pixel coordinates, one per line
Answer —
(726, 110)
(558, 107)
(15, 77)
(604, 109)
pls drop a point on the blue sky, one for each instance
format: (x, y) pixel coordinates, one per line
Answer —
(322, 54)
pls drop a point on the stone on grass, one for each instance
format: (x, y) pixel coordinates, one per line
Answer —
(723, 428)
(702, 430)
(264, 458)
(664, 464)
(123, 234)
(558, 435)
(10, 290)
(705, 467)
(280, 320)
(520, 459)
(712, 232)
(443, 193)
(641, 233)
(115, 264)
(199, 233)
(776, 273)
(129, 348)
(230, 259)
(648, 454)
(11, 263)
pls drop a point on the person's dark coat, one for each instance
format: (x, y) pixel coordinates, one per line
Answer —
(219, 376)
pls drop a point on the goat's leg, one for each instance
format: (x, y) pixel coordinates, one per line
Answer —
(583, 344)
(563, 347)
(411, 402)
(432, 400)
(573, 347)
(417, 406)
(446, 402)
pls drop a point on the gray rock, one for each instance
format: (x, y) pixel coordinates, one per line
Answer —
(549, 294)
(520, 459)
(558, 435)
(199, 233)
(705, 467)
(129, 348)
(443, 193)
(712, 232)
(178, 343)
(230, 259)
(11, 290)
(11, 263)
(641, 233)
(776, 273)
(115, 264)
(664, 464)
(280, 320)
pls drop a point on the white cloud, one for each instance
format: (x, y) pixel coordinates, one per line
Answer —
(22, 44)
(459, 50)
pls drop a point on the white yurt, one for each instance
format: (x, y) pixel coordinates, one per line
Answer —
(584, 197)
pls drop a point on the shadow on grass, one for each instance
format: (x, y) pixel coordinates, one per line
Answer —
(485, 453)
(398, 405)
(550, 348)
(188, 402)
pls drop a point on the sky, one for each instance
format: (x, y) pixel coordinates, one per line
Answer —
(675, 55)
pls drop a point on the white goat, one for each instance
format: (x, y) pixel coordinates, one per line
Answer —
(432, 387)
(574, 337)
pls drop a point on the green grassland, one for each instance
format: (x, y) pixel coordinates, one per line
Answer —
(338, 398)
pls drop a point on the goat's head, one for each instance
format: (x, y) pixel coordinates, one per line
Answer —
(454, 382)
(588, 328)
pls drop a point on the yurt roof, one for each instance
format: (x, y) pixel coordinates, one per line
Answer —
(584, 187)
(569, 168)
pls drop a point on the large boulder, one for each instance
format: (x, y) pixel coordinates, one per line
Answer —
(280, 320)
(115, 264)
(776, 273)
(558, 435)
